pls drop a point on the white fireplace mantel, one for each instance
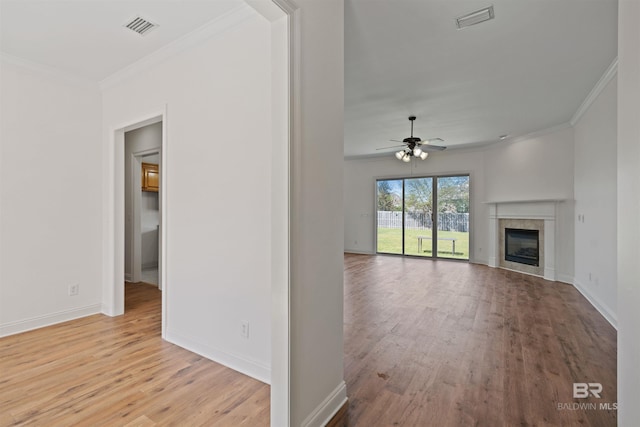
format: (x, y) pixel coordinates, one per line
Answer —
(525, 209)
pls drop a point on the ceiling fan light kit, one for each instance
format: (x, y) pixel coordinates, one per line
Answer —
(416, 147)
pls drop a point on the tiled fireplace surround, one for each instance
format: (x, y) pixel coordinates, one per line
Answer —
(528, 215)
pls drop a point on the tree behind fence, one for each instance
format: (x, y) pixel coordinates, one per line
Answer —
(422, 221)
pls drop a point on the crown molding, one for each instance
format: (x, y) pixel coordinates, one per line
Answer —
(270, 10)
(609, 74)
(49, 71)
(288, 6)
(211, 29)
(538, 133)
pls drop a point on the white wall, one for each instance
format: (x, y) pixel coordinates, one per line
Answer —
(217, 96)
(50, 175)
(628, 212)
(539, 167)
(317, 385)
(595, 157)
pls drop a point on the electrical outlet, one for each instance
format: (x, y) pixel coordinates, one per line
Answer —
(74, 290)
(244, 329)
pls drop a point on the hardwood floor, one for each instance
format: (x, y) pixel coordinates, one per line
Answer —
(103, 371)
(441, 343)
(427, 343)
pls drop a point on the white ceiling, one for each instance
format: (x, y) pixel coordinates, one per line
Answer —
(527, 70)
(86, 38)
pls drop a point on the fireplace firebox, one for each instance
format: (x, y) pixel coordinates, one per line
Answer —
(522, 246)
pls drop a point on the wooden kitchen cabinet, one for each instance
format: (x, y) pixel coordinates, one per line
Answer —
(150, 177)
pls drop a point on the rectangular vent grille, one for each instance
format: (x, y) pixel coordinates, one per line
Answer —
(476, 17)
(141, 25)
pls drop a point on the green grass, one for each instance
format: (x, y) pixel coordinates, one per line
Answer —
(390, 241)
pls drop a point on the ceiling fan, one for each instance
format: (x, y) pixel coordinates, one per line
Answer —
(414, 146)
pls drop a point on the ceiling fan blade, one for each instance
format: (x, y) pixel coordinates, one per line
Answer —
(429, 147)
(426, 145)
(395, 140)
(386, 148)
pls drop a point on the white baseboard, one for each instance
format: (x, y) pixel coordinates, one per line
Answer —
(564, 278)
(480, 261)
(321, 416)
(252, 368)
(604, 310)
(359, 252)
(25, 325)
(128, 277)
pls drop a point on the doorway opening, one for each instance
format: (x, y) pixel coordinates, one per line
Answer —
(424, 216)
(127, 176)
(143, 149)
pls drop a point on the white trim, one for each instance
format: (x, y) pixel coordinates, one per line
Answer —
(207, 31)
(602, 308)
(287, 6)
(37, 322)
(538, 133)
(247, 366)
(526, 201)
(128, 277)
(565, 278)
(268, 9)
(280, 368)
(328, 408)
(479, 261)
(113, 228)
(357, 252)
(608, 75)
(295, 172)
(50, 72)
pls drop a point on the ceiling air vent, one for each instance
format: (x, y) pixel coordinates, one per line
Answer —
(140, 25)
(474, 18)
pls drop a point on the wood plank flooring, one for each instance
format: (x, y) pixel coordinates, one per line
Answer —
(427, 343)
(103, 371)
(441, 343)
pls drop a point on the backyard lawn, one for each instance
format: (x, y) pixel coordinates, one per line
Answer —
(390, 241)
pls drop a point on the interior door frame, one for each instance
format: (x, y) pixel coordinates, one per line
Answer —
(114, 275)
(435, 221)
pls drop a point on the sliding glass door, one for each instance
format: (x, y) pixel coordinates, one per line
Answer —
(418, 222)
(453, 217)
(425, 217)
(390, 222)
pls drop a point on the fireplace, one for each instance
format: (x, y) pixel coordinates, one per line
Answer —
(525, 215)
(522, 246)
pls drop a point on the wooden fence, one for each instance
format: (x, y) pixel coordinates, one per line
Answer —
(422, 221)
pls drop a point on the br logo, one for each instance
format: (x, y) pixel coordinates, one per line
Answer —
(583, 390)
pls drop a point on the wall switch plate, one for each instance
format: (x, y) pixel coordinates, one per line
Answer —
(74, 290)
